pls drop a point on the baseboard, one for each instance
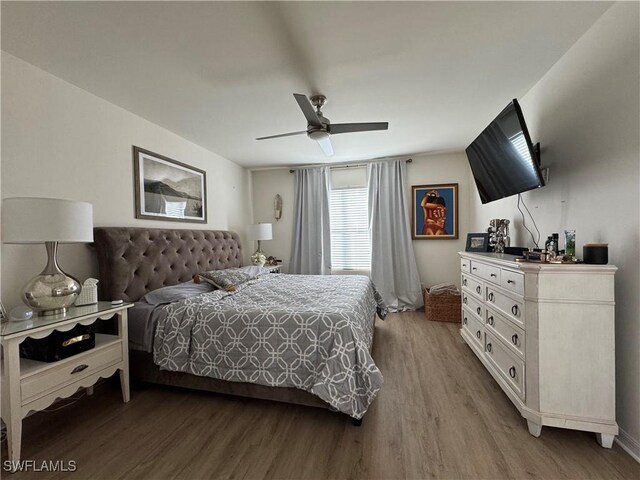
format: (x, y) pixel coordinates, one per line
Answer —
(629, 444)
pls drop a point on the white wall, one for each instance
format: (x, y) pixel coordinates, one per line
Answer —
(437, 259)
(266, 184)
(584, 112)
(61, 141)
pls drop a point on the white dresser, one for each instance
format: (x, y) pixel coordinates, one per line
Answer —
(545, 332)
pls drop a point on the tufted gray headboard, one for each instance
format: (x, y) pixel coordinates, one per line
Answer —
(134, 261)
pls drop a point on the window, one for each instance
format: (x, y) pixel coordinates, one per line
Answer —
(350, 243)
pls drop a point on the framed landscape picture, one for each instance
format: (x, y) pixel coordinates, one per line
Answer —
(166, 189)
(434, 212)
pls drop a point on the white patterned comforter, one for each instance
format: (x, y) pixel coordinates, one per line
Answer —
(305, 331)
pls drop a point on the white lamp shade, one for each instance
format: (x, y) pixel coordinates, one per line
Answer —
(39, 220)
(260, 231)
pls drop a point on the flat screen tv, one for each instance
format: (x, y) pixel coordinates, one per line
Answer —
(503, 160)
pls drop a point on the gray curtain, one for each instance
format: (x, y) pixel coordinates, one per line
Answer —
(311, 245)
(393, 263)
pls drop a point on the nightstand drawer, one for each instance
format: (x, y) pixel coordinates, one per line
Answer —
(54, 376)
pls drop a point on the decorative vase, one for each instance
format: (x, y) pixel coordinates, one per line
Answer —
(570, 243)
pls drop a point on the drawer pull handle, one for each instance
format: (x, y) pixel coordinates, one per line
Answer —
(478, 289)
(511, 281)
(464, 300)
(515, 310)
(478, 334)
(491, 296)
(514, 339)
(464, 320)
(490, 320)
(79, 368)
(464, 282)
(512, 372)
(493, 275)
(489, 347)
(479, 310)
(77, 339)
(474, 268)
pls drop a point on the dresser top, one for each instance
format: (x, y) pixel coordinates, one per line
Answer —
(505, 260)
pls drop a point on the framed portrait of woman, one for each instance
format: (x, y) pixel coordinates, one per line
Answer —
(434, 212)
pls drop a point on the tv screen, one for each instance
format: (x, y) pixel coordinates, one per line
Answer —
(502, 158)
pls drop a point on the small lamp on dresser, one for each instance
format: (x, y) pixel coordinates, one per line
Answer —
(48, 221)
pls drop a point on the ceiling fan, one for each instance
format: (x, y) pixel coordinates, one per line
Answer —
(319, 128)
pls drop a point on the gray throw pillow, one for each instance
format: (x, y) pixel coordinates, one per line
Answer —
(227, 279)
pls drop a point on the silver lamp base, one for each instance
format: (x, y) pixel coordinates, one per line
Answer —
(258, 258)
(53, 291)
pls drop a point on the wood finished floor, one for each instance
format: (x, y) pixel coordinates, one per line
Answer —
(438, 415)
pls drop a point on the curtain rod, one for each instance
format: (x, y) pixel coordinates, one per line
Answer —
(355, 165)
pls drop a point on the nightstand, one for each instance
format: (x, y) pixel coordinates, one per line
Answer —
(29, 385)
(274, 268)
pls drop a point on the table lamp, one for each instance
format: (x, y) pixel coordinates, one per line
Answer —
(259, 232)
(48, 221)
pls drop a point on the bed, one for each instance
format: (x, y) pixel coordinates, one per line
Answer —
(316, 344)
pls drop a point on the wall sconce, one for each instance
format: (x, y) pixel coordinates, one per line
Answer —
(277, 207)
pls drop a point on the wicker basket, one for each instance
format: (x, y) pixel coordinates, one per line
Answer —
(442, 308)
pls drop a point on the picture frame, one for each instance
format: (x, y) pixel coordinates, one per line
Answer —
(477, 242)
(434, 211)
(168, 190)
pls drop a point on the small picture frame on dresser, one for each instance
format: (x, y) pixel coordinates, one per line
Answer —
(477, 242)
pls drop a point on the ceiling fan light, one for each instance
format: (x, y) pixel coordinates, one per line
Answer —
(318, 134)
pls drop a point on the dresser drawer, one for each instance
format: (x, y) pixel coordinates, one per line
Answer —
(472, 285)
(510, 367)
(474, 305)
(513, 308)
(512, 281)
(506, 331)
(465, 265)
(69, 370)
(474, 327)
(486, 272)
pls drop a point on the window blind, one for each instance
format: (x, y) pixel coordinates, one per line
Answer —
(350, 243)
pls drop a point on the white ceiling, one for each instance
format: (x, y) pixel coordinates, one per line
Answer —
(223, 73)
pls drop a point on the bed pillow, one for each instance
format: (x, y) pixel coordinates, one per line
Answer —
(254, 270)
(227, 279)
(175, 293)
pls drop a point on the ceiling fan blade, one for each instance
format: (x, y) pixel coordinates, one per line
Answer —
(325, 145)
(356, 127)
(282, 135)
(307, 110)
